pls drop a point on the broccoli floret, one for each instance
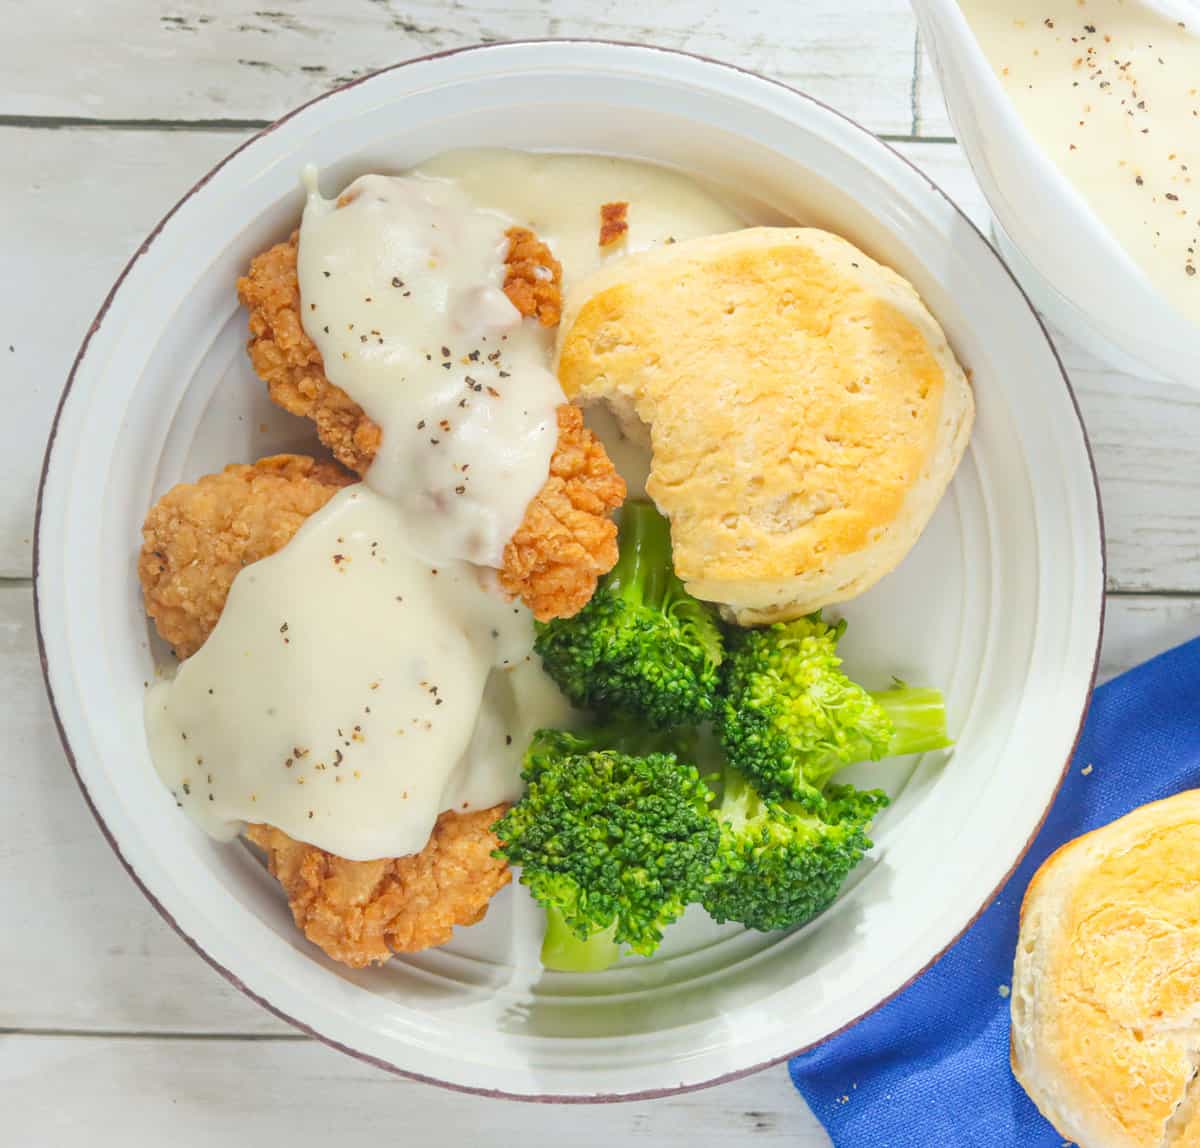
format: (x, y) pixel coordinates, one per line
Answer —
(642, 645)
(625, 735)
(614, 843)
(789, 718)
(779, 864)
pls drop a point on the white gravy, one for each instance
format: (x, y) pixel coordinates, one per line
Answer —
(401, 290)
(340, 696)
(370, 675)
(560, 196)
(1110, 89)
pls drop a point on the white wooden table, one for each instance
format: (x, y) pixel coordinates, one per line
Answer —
(112, 1031)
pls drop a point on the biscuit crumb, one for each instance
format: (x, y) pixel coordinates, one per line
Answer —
(613, 224)
(1004, 990)
(1086, 770)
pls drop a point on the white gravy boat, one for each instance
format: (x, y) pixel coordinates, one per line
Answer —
(1073, 269)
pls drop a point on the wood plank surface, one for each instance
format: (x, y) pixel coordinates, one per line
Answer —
(930, 118)
(61, 1092)
(81, 947)
(112, 1031)
(191, 60)
(85, 200)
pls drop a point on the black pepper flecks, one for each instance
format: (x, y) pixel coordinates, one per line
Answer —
(1115, 77)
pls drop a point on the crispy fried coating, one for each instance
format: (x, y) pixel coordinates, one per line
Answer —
(288, 361)
(361, 912)
(566, 540)
(199, 535)
(533, 279)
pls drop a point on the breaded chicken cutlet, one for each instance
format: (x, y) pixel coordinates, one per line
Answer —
(567, 540)
(199, 535)
(195, 540)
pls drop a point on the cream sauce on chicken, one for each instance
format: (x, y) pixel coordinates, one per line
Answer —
(401, 289)
(370, 674)
(559, 197)
(1110, 89)
(351, 691)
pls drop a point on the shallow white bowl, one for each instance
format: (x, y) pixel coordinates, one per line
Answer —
(1000, 603)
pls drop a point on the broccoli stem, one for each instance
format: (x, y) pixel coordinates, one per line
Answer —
(643, 573)
(740, 801)
(918, 717)
(564, 951)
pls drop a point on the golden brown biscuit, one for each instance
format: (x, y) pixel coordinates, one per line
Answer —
(804, 411)
(1106, 986)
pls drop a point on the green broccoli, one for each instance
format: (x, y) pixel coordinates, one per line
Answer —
(779, 864)
(789, 718)
(642, 645)
(614, 844)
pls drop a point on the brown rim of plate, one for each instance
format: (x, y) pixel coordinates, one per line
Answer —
(581, 1098)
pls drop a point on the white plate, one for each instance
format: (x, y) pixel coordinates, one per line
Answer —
(1000, 603)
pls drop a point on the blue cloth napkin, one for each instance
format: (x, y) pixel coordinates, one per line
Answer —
(931, 1067)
